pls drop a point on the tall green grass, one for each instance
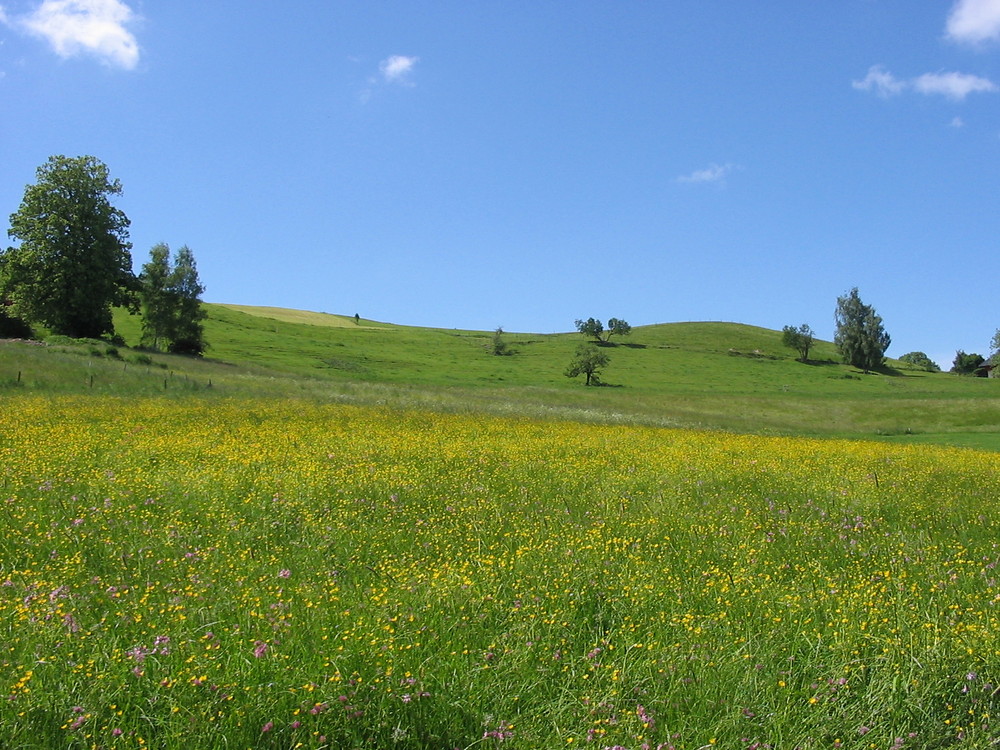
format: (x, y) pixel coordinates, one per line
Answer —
(266, 573)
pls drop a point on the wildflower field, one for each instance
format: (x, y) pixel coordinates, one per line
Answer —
(280, 574)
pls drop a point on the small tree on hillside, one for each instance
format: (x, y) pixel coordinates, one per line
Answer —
(588, 361)
(591, 327)
(995, 346)
(498, 346)
(800, 339)
(617, 327)
(860, 337)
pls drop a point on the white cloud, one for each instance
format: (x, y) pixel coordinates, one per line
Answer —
(957, 122)
(396, 69)
(974, 21)
(712, 173)
(881, 81)
(3, 16)
(97, 27)
(953, 85)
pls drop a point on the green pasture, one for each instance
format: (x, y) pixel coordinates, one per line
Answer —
(705, 375)
(244, 572)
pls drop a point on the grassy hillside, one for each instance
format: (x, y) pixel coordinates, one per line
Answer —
(712, 375)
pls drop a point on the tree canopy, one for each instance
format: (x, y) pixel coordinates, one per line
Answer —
(154, 297)
(171, 301)
(966, 363)
(860, 336)
(591, 327)
(73, 263)
(617, 327)
(800, 339)
(921, 361)
(588, 360)
(595, 329)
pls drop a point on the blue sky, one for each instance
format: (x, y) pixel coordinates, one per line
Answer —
(523, 164)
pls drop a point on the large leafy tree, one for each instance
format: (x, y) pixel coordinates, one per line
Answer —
(171, 301)
(860, 336)
(73, 263)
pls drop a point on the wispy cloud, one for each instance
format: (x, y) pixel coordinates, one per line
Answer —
(94, 27)
(954, 86)
(397, 69)
(881, 81)
(974, 21)
(712, 173)
(957, 122)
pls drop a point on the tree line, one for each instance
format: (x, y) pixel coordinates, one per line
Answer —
(862, 341)
(860, 338)
(73, 264)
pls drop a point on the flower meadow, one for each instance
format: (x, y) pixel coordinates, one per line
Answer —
(282, 574)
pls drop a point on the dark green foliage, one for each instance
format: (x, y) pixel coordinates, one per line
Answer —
(187, 333)
(171, 302)
(920, 361)
(800, 339)
(595, 329)
(591, 327)
(966, 364)
(157, 307)
(587, 361)
(73, 262)
(860, 337)
(617, 327)
(14, 328)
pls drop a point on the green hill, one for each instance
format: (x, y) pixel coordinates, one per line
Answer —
(712, 375)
